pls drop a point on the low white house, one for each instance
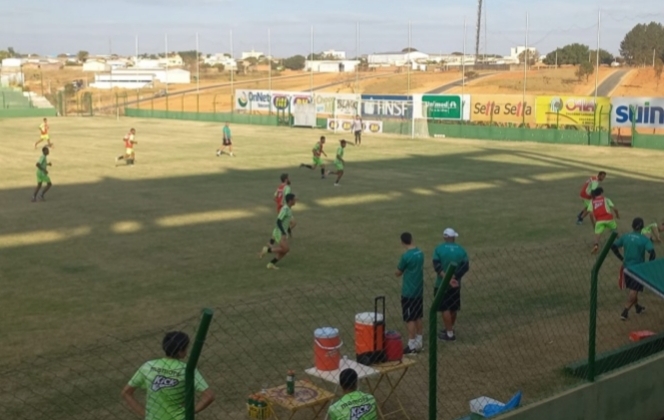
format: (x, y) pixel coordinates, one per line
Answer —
(516, 52)
(148, 64)
(396, 58)
(227, 62)
(171, 61)
(118, 64)
(252, 54)
(331, 66)
(12, 63)
(335, 55)
(139, 78)
(96, 66)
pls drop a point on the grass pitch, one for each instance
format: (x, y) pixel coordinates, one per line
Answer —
(121, 250)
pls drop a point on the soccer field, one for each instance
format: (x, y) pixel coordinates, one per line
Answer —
(122, 250)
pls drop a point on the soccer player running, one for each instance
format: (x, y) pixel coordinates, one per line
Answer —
(443, 256)
(129, 141)
(354, 404)
(635, 246)
(279, 242)
(279, 197)
(42, 175)
(44, 134)
(411, 268)
(339, 162)
(586, 194)
(226, 142)
(653, 230)
(603, 215)
(318, 162)
(163, 381)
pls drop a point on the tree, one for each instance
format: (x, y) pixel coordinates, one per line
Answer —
(189, 57)
(605, 57)
(571, 54)
(295, 62)
(82, 56)
(12, 53)
(409, 49)
(659, 66)
(531, 55)
(63, 55)
(585, 69)
(252, 61)
(638, 45)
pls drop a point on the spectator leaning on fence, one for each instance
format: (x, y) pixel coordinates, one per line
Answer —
(411, 268)
(163, 381)
(445, 254)
(635, 246)
(353, 404)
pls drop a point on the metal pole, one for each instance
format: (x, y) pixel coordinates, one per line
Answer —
(136, 59)
(198, 68)
(166, 58)
(232, 70)
(409, 61)
(463, 59)
(190, 370)
(486, 44)
(269, 61)
(311, 65)
(526, 57)
(556, 57)
(599, 30)
(357, 56)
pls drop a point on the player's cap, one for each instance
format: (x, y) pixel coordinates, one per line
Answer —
(450, 233)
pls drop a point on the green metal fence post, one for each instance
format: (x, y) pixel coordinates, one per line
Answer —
(189, 375)
(433, 342)
(610, 132)
(634, 134)
(592, 331)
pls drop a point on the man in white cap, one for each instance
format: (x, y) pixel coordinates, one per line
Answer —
(443, 256)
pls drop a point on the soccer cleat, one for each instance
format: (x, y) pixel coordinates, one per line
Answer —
(579, 222)
(444, 337)
(408, 350)
(336, 184)
(271, 266)
(263, 252)
(34, 199)
(624, 315)
(640, 309)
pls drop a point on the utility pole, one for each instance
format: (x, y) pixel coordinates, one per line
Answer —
(599, 29)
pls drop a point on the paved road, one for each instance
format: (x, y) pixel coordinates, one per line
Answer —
(448, 86)
(610, 83)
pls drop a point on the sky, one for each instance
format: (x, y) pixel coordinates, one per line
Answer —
(284, 27)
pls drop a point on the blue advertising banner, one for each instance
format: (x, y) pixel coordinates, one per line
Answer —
(387, 106)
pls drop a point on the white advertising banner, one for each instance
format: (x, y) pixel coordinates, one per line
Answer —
(265, 100)
(645, 112)
(337, 104)
(344, 125)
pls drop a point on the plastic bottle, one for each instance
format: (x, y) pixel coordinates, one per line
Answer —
(290, 383)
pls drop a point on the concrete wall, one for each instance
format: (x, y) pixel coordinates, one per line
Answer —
(636, 392)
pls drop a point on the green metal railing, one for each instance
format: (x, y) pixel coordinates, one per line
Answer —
(190, 373)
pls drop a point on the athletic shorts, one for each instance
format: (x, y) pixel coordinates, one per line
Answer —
(318, 161)
(451, 301)
(358, 134)
(277, 236)
(632, 284)
(129, 151)
(339, 166)
(227, 142)
(649, 229)
(42, 177)
(601, 226)
(586, 202)
(45, 137)
(412, 309)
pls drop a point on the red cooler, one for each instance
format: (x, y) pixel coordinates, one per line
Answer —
(393, 346)
(370, 335)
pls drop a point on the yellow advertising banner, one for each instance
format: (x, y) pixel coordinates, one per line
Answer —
(503, 109)
(572, 110)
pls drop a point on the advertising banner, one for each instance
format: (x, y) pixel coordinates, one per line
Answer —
(568, 110)
(645, 112)
(446, 107)
(344, 125)
(503, 109)
(337, 104)
(265, 100)
(387, 106)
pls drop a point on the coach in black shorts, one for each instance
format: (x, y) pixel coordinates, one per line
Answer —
(411, 268)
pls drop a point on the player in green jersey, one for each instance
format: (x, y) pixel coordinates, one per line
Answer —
(317, 161)
(163, 382)
(339, 162)
(279, 242)
(354, 404)
(635, 246)
(42, 175)
(653, 230)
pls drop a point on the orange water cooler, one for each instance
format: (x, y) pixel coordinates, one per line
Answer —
(327, 349)
(370, 335)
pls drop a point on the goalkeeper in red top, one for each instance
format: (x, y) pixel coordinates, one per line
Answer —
(130, 155)
(603, 215)
(586, 194)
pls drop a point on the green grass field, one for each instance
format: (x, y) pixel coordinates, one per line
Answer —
(118, 251)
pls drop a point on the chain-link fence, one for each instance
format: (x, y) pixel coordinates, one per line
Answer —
(524, 318)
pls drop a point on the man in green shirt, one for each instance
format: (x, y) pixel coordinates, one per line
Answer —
(163, 382)
(635, 246)
(354, 404)
(443, 256)
(653, 230)
(317, 151)
(42, 175)
(339, 163)
(411, 268)
(226, 142)
(280, 234)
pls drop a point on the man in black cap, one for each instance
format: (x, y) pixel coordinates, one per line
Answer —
(635, 245)
(354, 404)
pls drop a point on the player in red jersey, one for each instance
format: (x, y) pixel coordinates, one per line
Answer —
(603, 215)
(586, 194)
(130, 155)
(280, 198)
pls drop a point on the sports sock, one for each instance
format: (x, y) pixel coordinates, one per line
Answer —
(322, 171)
(269, 249)
(418, 340)
(274, 260)
(450, 334)
(579, 216)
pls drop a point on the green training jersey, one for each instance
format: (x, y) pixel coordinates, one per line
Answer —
(227, 132)
(340, 154)
(448, 253)
(412, 267)
(354, 406)
(285, 215)
(163, 382)
(318, 148)
(635, 247)
(649, 229)
(43, 163)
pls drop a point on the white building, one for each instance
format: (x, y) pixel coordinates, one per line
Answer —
(148, 64)
(139, 78)
(397, 58)
(516, 52)
(252, 54)
(120, 63)
(331, 66)
(96, 66)
(171, 61)
(334, 55)
(12, 63)
(227, 62)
